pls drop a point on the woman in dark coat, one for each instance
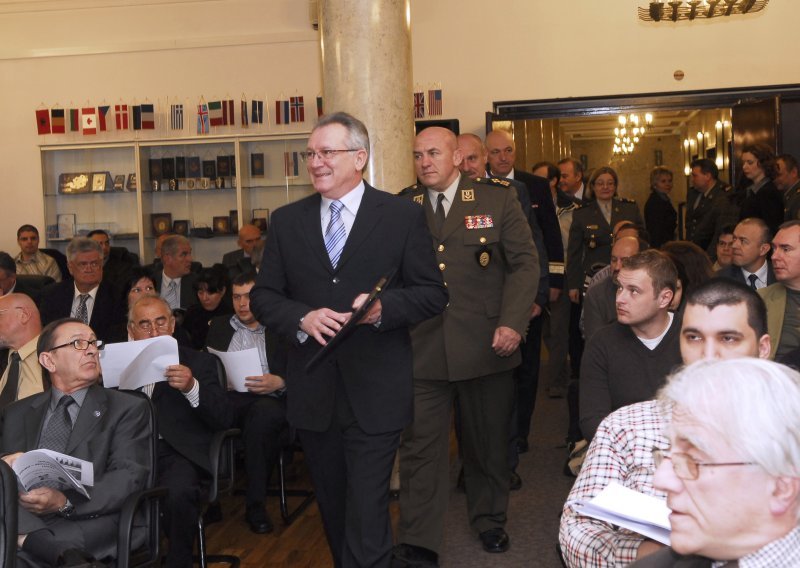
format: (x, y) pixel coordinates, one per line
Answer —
(762, 199)
(660, 216)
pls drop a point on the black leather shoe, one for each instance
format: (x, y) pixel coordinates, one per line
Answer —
(410, 556)
(495, 540)
(257, 518)
(516, 482)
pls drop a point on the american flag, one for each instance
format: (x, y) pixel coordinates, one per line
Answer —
(176, 117)
(419, 105)
(298, 109)
(435, 102)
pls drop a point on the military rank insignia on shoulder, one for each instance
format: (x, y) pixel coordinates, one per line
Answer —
(407, 190)
(626, 200)
(498, 182)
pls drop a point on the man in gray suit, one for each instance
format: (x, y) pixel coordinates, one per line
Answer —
(108, 428)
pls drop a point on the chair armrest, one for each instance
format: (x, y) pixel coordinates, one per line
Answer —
(127, 516)
(221, 447)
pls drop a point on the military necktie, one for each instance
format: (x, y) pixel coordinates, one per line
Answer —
(439, 213)
(82, 313)
(9, 393)
(59, 427)
(335, 234)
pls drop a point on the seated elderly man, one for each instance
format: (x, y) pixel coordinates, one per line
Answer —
(20, 371)
(722, 319)
(732, 472)
(80, 418)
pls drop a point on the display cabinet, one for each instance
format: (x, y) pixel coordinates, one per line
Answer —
(204, 188)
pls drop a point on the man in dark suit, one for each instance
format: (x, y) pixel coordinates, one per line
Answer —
(238, 261)
(190, 406)
(108, 428)
(751, 247)
(323, 254)
(731, 473)
(486, 253)
(175, 281)
(86, 297)
(260, 412)
(705, 202)
(117, 261)
(571, 183)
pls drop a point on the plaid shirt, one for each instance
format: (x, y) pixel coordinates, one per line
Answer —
(783, 552)
(40, 263)
(621, 451)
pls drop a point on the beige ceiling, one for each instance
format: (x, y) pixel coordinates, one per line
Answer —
(602, 127)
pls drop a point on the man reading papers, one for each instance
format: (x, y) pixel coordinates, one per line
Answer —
(80, 418)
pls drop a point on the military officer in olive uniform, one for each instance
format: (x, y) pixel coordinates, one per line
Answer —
(591, 232)
(490, 266)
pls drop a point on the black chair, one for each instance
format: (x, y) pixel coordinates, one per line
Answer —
(32, 285)
(223, 478)
(61, 261)
(143, 508)
(8, 516)
(283, 492)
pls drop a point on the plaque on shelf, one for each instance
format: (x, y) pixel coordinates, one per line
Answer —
(193, 167)
(119, 182)
(219, 182)
(180, 167)
(205, 183)
(181, 227)
(155, 169)
(187, 184)
(155, 185)
(222, 225)
(223, 166)
(161, 223)
(209, 168)
(167, 168)
(234, 216)
(173, 184)
(131, 185)
(257, 165)
(66, 225)
(101, 181)
(74, 183)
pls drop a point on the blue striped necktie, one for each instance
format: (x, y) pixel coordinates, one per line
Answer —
(335, 234)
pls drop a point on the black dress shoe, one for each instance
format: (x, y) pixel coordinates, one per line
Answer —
(495, 540)
(257, 518)
(410, 556)
(516, 482)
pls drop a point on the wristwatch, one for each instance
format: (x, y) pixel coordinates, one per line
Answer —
(66, 510)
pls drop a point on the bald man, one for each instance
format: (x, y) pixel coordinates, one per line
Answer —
(238, 261)
(19, 330)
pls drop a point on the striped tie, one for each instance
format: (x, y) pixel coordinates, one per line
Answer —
(82, 312)
(335, 234)
(171, 295)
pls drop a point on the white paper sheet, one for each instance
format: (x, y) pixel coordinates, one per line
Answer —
(133, 364)
(618, 505)
(238, 365)
(53, 469)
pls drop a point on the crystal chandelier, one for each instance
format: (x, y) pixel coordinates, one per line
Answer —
(630, 130)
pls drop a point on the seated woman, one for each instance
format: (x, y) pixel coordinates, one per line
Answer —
(213, 293)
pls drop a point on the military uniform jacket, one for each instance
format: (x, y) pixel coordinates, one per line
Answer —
(490, 267)
(590, 237)
(701, 221)
(791, 201)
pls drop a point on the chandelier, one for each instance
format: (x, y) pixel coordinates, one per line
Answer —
(630, 130)
(674, 10)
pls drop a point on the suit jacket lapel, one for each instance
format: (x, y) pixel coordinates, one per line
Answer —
(34, 418)
(312, 229)
(90, 417)
(367, 218)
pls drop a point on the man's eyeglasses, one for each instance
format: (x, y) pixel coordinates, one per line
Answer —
(86, 266)
(324, 155)
(81, 344)
(685, 466)
(147, 326)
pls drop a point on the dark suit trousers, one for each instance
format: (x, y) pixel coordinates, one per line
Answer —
(350, 470)
(486, 404)
(575, 355)
(98, 536)
(262, 420)
(526, 377)
(185, 489)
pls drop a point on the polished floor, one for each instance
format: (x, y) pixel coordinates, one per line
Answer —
(532, 525)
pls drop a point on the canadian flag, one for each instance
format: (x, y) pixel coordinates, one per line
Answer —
(89, 121)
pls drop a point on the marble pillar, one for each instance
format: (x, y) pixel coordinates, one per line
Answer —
(366, 71)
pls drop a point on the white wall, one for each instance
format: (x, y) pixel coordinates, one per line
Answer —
(480, 51)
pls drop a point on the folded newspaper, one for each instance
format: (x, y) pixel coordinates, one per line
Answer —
(629, 509)
(46, 468)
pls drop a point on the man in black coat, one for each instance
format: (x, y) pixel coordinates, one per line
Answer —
(190, 406)
(87, 296)
(238, 261)
(175, 280)
(750, 251)
(350, 410)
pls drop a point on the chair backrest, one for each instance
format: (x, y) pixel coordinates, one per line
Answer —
(222, 448)
(61, 261)
(8, 516)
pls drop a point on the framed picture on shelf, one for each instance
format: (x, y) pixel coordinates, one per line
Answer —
(261, 219)
(193, 167)
(180, 167)
(66, 225)
(131, 184)
(234, 217)
(155, 169)
(161, 223)
(99, 181)
(222, 225)
(223, 166)
(181, 227)
(257, 165)
(119, 182)
(210, 168)
(168, 168)
(232, 160)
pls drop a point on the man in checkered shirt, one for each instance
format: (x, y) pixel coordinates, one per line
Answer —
(723, 319)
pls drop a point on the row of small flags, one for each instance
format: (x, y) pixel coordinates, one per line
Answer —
(434, 103)
(91, 120)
